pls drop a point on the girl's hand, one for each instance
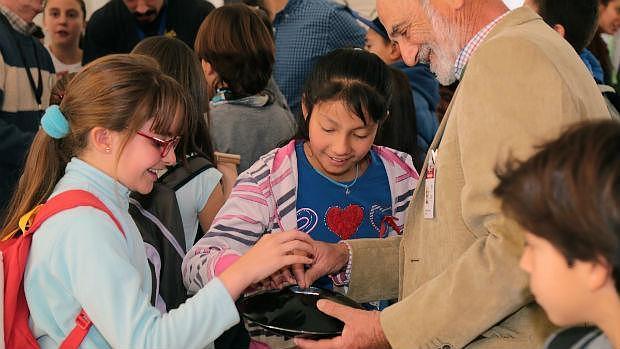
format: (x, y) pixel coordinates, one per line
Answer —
(275, 281)
(281, 278)
(270, 254)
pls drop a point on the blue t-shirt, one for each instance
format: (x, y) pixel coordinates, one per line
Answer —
(327, 213)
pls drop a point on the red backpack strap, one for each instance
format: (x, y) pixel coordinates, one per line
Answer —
(78, 333)
(67, 200)
(64, 201)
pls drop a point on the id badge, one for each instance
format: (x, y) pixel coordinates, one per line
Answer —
(429, 187)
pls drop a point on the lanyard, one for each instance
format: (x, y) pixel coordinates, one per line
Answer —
(37, 89)
(160, 30)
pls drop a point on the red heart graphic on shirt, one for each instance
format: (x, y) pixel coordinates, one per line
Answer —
(344, 223)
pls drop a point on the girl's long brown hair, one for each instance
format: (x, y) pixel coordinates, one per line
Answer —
(117, 92)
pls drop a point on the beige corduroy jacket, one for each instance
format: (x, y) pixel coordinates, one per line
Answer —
(458, 280)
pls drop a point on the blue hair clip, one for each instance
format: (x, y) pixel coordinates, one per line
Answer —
(54, 122)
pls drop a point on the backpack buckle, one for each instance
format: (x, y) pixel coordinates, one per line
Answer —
(83, 321)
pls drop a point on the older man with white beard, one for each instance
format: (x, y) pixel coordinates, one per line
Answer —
(458, 280)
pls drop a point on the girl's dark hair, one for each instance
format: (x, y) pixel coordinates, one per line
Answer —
(117, 92)
(399, 130)
(569, 193)
(176, 59)
(357, 78)
(239, 47)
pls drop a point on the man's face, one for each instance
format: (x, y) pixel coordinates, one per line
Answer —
(145, 11)
(27, 9)
(423, 34)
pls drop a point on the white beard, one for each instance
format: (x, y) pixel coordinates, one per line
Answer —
(444, 47)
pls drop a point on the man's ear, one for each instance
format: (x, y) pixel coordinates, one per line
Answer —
(456, 4)
(447, 6)
(560, 29)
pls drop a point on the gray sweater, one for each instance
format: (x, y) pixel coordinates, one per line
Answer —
(578, 338)
(250, 127)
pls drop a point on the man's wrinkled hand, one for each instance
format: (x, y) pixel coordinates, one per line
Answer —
(328, 259)
(362, 329)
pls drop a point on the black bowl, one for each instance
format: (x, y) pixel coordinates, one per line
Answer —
(292, 312)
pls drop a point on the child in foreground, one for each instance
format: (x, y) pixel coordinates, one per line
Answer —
(567, 197)
(117, 125)
(330, 181)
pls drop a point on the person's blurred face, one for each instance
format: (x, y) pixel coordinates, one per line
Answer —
(26, 9)
(64, 21)
(561, 290)
(609, 17)
(145, 11)
(377, 45)
(423, 35)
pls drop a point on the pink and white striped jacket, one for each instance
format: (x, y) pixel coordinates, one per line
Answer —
(263, 200)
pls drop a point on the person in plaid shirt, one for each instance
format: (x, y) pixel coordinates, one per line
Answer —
(305, 30)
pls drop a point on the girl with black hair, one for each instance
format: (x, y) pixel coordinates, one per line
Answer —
(330, 181)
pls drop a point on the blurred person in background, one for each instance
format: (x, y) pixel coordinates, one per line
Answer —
(304, 31)
(64, 22)
(237, 55)
(120, 24)
(26, 79)
(608, 23)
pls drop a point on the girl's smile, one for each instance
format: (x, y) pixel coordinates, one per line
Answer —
(338, 140)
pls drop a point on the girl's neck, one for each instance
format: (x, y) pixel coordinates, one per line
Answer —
(67, 54)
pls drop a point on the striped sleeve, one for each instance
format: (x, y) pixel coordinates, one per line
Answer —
(243, 219)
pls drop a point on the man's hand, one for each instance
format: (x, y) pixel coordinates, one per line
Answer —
(328, 259)
(362, 329)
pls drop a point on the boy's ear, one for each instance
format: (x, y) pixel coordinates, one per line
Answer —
(207, 68)
(560, 29)
(394, 53)
(600, 274)
(101, 140)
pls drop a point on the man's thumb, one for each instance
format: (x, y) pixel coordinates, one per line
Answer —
(312, 275)
(334, 309)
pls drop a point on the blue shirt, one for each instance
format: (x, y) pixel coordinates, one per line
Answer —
(79, 259)
(304, 31)
(593, 65)
(425, 92)
(327, 213)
